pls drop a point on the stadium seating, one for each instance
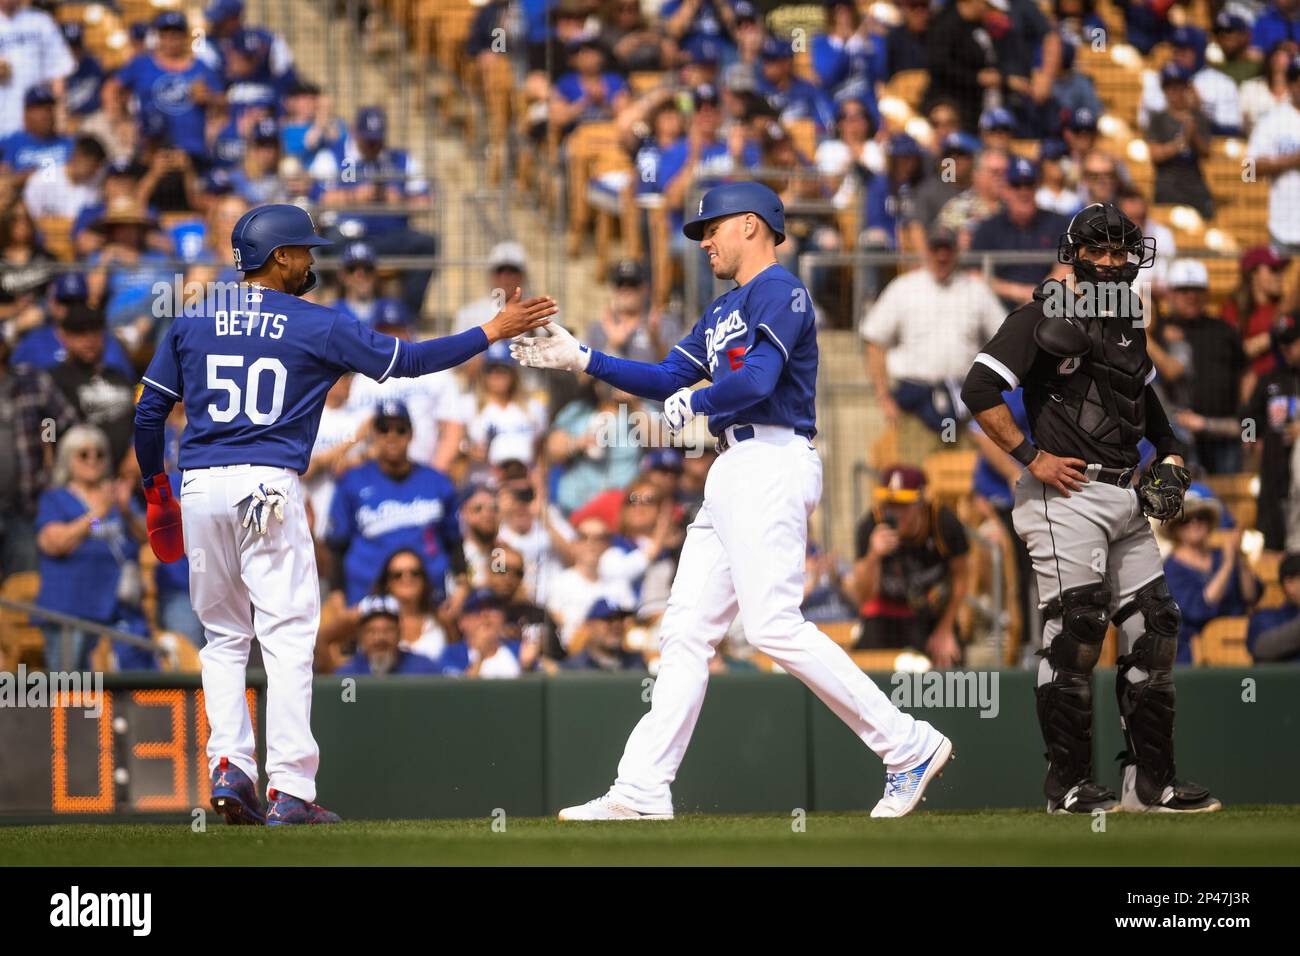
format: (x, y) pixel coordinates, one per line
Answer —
(22, 639)
(1222, 643)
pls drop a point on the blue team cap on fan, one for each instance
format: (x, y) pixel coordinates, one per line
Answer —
(900, 144)
(498, 353)
(42, 94)
(358, 253)
(220, 10)
(1022, 172)
(662, 459)
(997, 118)
(69, 287)
(391, 313)
(170, 20)
(371, 123)
(482, 599)
(774, 49)
(606, 610)
(961, 143)
(1082, 119)
(393, 408)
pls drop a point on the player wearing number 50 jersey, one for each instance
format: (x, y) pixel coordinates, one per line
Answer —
(252, 371)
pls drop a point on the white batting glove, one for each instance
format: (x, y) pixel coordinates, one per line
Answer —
(558, 350)
(262, 504)
(677, 410)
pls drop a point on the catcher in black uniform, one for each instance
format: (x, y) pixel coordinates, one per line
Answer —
(1079, 351)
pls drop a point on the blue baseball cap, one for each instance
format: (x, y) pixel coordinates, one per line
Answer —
(1190, 38)
(606, 610)
(744, 10)
(218, 182)
(703, 51)
(482, 599)
(266, 131)
(1082, 120)
(223, 9)
(378, 605)
(498, 353)
(391, 313)
(731, 199)
(42, 94)
(1022, 172)
(1172, 73)
(774, 49)
(171, 20)
(72, 34)
(900, 144)
(704, 94)
(358, 253)
(961, 143)
(69, 287)
(662, 459)
(1231, 20)
(371, 124)
(249, 42)
(393, 408)
(997, 118)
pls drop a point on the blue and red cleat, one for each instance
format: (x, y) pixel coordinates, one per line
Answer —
(234, 796)
(286, 810)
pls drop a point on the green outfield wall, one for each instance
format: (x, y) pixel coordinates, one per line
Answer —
(444, 748)
(437, 747)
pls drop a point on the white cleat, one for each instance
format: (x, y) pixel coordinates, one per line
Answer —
(608, 808)
(903, 791)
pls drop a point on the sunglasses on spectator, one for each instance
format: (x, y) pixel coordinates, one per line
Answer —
(396, 574)
(89, 454)
(396, 428)
(517, 572)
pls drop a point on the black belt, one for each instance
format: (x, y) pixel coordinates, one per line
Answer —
(1123, 477)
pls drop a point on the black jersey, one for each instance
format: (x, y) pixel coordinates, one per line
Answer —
(1091, 407)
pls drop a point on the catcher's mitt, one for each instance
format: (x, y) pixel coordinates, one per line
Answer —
(1161, 490)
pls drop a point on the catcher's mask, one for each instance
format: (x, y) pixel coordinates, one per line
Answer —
(1103, 226)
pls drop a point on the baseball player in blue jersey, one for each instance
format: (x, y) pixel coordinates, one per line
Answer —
(756, 345)
(253, 372)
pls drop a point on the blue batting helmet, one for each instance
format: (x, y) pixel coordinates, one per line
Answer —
(734, 198)
(263, 229)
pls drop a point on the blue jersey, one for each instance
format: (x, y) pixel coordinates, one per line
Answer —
(373, 515)
(775, 305)
(253, 376)
(170, 92)
(82, 87)
(23, 152)
(41, 348)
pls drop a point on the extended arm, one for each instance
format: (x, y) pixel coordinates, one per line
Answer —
(560, 350)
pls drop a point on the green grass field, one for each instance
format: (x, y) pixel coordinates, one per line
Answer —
(1241, 836)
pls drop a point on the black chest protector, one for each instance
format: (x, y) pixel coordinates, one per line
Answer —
(1101, 390)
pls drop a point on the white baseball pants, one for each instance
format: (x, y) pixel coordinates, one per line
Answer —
(745, 551)
(244, 585)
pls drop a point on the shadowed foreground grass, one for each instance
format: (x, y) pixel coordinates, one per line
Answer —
(1238, 836)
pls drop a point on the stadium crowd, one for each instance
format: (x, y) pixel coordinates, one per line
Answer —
(487, 521)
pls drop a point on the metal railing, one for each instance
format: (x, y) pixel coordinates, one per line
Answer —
(68, 624)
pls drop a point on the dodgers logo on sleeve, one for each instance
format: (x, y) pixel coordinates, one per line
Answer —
(731, 327)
